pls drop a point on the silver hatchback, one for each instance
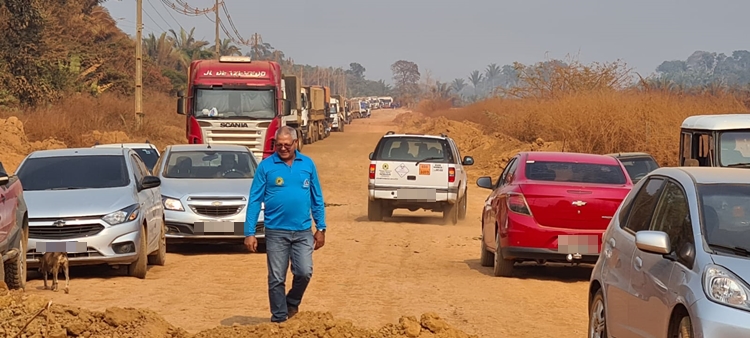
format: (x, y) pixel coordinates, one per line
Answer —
(675, 259)
(100, 205)
(205, 192)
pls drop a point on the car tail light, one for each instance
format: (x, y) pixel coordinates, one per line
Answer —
(372, 171)
(451, 175)
(517, 203)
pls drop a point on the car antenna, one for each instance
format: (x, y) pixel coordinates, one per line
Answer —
(148, 141)
(209, 145)
(96, 143)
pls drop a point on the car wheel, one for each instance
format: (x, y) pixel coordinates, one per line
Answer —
(15, 270)
(374, 210)
(160, 256)
(486, 258)
(462, 208)
(140, 266)
(502, 266)
(685, 328)
(597, 316)
(450, 213)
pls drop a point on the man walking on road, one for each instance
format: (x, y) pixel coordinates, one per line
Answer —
(287, 182)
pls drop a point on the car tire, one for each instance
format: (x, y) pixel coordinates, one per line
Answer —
(160, 256)
(139, 268)
(597, 316)
(487, 258)
(684, 328)
(374, 211)
(463, 206)
(501, 266)
(15, 270)
(450, 213)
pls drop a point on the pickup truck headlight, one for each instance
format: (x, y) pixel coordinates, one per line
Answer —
(127, 214)
(724, 287)
(172, 204)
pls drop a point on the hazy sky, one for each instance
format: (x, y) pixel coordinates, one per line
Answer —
(453, 38)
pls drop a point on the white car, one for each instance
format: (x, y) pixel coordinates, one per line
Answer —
(147, 151)
(417, 171)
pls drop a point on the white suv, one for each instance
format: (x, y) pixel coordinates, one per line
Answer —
(417, 171)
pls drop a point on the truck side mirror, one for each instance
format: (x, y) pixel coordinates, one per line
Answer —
(181, 105)
(287, 107)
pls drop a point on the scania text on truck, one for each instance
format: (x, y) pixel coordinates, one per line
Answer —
(233, 100)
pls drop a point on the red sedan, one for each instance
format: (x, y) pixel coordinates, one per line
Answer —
(550, 206)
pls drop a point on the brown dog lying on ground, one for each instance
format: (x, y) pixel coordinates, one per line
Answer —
(51, 263)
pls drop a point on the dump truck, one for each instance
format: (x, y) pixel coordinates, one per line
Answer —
(337, 113)
(233, 100)
(317, 113)
(715, 141)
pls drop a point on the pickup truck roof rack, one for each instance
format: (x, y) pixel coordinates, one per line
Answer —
(443, 135)
(390, 132)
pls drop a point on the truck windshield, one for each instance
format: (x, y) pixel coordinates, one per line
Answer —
(234, 103)
(735, 147)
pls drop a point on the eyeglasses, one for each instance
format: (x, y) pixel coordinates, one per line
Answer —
(287, 145)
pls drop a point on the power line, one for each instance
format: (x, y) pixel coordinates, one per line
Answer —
(154, 21)
(159, 14)
(170, 14)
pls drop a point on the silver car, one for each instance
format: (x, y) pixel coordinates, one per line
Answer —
(205, 192)
(675, 259)
(99, 205)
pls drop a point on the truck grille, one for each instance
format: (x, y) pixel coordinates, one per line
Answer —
(250, 137)
(64, 232)
(216, 211)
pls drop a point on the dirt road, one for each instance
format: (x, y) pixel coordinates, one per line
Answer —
(368, 272)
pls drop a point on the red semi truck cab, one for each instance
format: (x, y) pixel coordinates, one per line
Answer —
(233, 100)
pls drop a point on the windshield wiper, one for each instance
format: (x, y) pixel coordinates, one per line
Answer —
(734, 249)
(66, 188)
(427, 159)
(744, 164)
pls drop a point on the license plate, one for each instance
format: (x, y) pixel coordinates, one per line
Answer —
(226, 228)
(68, 246)
(427, 195)
(578, 244)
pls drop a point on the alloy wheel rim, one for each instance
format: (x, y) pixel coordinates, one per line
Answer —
(598, 321)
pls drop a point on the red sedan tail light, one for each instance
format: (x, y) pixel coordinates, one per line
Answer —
(517, 203)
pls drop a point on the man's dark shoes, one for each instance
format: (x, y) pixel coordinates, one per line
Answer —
(291, 311)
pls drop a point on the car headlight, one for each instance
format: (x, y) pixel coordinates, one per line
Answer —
(724, 287)
(172, 204)
(127, 214)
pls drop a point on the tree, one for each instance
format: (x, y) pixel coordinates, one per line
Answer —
(356, 70)
(406, 76)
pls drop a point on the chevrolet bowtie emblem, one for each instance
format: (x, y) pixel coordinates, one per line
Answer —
(216, 204)
(579, 203)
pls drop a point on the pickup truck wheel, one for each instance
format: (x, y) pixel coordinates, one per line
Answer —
(160, 256)
(140, 266)
(450, 213)
(502, 266)
(462, 206)
(15, 270)
(374, 211)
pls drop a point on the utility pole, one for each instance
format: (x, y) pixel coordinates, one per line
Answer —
(139, 64)
(218, 37)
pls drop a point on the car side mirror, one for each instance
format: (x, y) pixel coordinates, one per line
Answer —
(4, 178)
(149, 182)
(655, 242)
(371, 154)
(468, 160)
(485, 182)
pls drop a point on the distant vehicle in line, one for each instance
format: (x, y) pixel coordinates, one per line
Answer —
(638, 165)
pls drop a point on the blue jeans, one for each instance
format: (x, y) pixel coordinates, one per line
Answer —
(281, 247)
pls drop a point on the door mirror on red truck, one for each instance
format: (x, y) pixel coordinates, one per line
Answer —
(181, 106)
(287, 107)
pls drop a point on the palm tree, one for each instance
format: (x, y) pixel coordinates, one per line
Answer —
(189, 48)
(492, 72)
(457, 85)
(227, 48)
(475, 78)
(161, 50)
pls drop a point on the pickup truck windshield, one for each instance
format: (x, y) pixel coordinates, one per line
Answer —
(234, 104)
(74, 172)
(206, 164)
(735, 147)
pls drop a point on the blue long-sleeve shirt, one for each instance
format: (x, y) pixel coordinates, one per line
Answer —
(290, 194)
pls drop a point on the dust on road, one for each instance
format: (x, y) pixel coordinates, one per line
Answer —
(369, 272)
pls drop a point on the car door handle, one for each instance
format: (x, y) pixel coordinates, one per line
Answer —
(638, 263)
(611, 242)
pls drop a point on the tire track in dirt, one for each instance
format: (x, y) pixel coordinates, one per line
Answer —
(366, 272)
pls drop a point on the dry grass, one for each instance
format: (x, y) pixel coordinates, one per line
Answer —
(74, 119)
(597, 121)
